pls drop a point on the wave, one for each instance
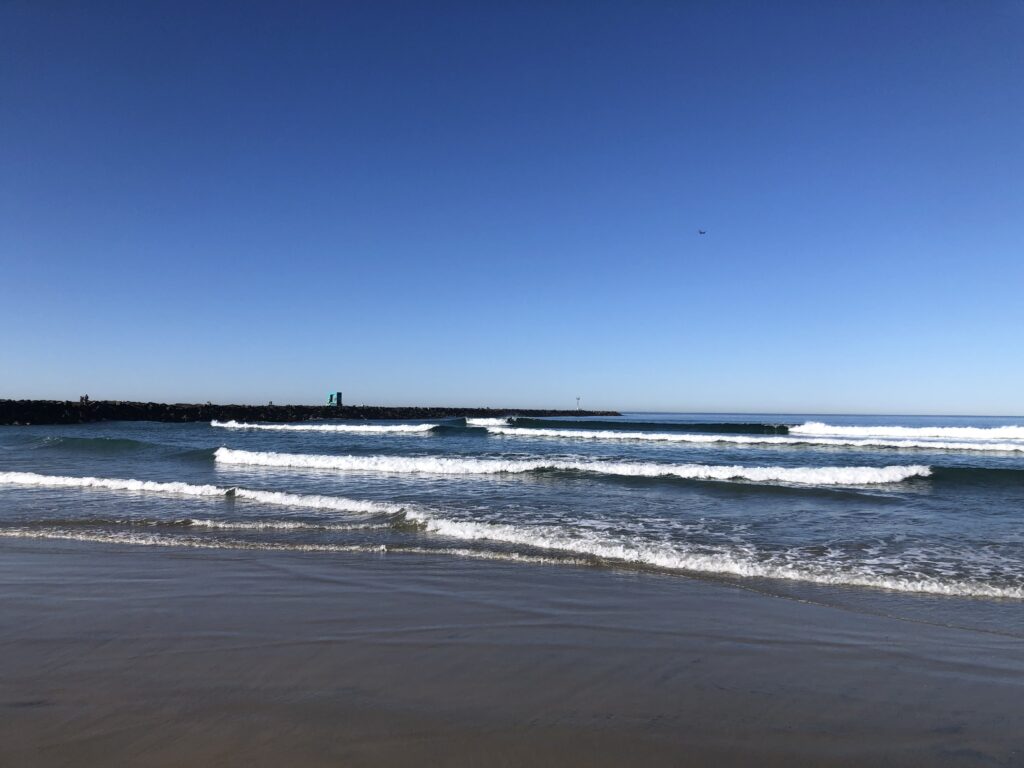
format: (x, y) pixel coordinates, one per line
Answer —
(202, 523)
(162, 540)
(275, 525)
(358, 429)
(588, 434)
(727, 427)
(566, 545)
(470, 466)
(958, 433)
(488, 422)
(459, 428)
(744, 563)
(309, 501)
(194, 542)
(567, 549)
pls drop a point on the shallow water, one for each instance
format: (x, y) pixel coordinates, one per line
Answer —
(914, 516)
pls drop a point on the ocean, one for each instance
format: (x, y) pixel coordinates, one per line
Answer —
(910, 516)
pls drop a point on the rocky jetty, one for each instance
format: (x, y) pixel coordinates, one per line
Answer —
(72, 412)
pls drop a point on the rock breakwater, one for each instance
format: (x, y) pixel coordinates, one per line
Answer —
(73, 412)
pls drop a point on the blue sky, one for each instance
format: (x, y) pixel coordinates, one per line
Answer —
(498, 204)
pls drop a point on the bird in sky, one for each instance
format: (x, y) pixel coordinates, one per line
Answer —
(701, 232)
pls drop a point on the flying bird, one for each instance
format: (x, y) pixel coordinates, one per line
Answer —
(701, 232)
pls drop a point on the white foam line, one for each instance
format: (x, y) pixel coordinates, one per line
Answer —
(358, 429)
(962, 433)
(487, 422)
(469, 466)
(743, 564)
(159, 540)
(276, 525)
(316, 501)
(309, 501)
(605, 434)
(672, 558)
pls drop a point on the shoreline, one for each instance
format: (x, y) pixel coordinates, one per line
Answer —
(31, 412)
(120, 655)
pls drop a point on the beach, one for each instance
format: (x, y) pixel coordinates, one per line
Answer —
(120, 655)
(652, 589)
(520, 384)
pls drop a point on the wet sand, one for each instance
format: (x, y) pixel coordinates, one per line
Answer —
(118, 656)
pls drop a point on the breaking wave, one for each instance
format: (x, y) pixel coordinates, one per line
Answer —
(956, 433)
(567, 547)
(744, 563)
(198, 542)
(795, 440)
(470, 466)
(724, 427)
(275, 525)
(487, 422)
(309, 501)
(358, 429)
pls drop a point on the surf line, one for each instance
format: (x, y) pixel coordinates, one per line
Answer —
(471, 466)
(355, 429)
(310, 501)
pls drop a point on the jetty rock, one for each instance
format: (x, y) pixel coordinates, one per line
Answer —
(24, 412)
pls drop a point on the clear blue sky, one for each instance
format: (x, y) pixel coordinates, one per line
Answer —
(498, 204)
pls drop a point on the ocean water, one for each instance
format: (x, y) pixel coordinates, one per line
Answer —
(916, 516)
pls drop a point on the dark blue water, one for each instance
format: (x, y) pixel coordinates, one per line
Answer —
(867, 509)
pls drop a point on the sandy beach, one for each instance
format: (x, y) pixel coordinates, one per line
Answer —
(117, 655)
(401, 385)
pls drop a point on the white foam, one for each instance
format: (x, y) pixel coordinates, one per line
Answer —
(960, 433)
(309, 501)
(161, 540)
(113, 484)
(358, 429)
(738, 562)
(707, 439)
(316, 501)
(275, 525)
(486, 422)
(469, 466)
(193, 542)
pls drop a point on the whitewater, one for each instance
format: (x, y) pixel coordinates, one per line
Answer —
(188, 489)
(366, 429)
(461, 466)
(1015, 432)
(595, 544)
(799, 439)
(909, 506)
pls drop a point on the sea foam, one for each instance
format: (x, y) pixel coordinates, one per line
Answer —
(309, 501)
(703, 439)
(609, 550)
(959, 433)
(487, 422)
(276, 525)
(737, 562)
(570, 542)
(357, 429)
(470, 466)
